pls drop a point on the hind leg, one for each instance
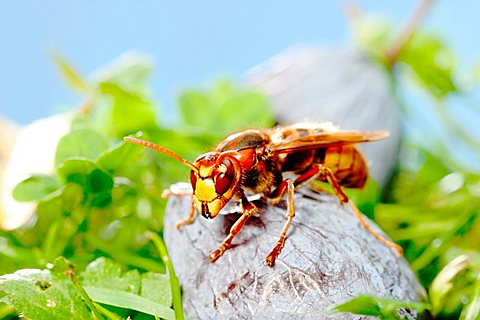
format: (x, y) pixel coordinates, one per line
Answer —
(344, 199)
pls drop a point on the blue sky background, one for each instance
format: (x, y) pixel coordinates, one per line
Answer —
(193, 42)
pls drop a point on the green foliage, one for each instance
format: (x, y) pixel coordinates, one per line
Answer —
(35, 188)
(383, 308)
(433, 206)
(83, 143)
(44, 294)
(432, 63)
(129, 301)
(472, 311)
(149, 293)
(56, 292)
(225, 108)
(104, 200)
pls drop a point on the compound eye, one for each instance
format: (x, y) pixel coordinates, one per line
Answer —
(224, 180)
(193, 179)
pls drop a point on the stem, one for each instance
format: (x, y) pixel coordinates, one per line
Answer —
(83, 294)
(472, 310)
(107, 313)
(418, 15)
(175, 285)
(51, 241)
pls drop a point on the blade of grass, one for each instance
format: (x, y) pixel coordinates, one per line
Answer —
(472, 310)
(129, 300)
(176, 292)
(437, 246)
(107, 313)
(78, 287)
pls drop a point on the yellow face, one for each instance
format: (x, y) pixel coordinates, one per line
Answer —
(213, 185)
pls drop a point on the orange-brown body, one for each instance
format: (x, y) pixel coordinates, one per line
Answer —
(264, 170)
(255, 160)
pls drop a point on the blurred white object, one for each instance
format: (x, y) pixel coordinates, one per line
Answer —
(333, 84)
(33, 152)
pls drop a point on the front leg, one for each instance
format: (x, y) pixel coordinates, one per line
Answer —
(249, 209)
(180, 190)
(188, 219)
(286, 186)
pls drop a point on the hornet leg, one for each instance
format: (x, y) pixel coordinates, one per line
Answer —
(188, 219)
(286, 186)
(249, 210)
(344, 199)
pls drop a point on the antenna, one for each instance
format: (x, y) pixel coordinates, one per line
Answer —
(161, 149)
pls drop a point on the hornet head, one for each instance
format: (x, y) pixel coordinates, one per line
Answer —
(215, 183)
(215, 177)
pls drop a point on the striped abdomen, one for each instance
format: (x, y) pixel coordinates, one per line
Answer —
(347, 165)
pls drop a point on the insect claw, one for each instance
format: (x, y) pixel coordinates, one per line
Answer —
(272, 256)
(270, 261)
(214, 255)
(398, 249)
(181, 223)
(217, 253)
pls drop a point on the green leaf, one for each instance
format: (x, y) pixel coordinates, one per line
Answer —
(99, 181)
(104, 273)
(100, 185)
(224, 109)
(156, 287)
(43, 294)
(432, 63)
(120, 155)
(129, 301)
(196, 108)
(69, 74)
(76, 170)
(363, 305)
(245, 109)
(129, 112)
(385, 308)
(124, 103)
(87, 174)
(82, 143)
(443, 282)
(129, 72)
(472, 310)
(96, 183)
(65, 199)
(35, 187)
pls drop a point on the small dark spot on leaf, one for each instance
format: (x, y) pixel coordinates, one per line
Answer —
(43, 284)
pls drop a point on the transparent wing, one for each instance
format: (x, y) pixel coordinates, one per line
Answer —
(327, 139)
